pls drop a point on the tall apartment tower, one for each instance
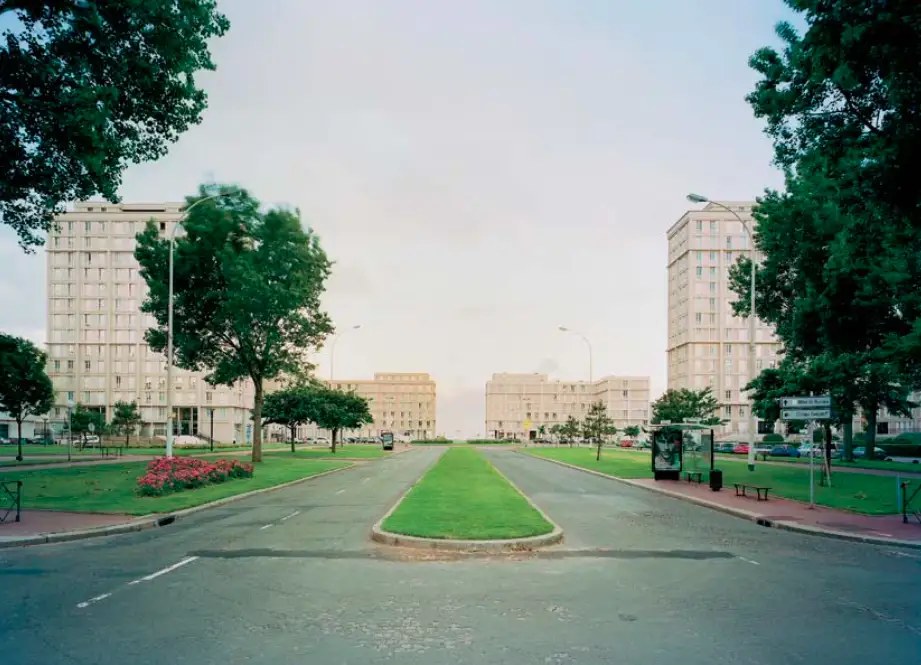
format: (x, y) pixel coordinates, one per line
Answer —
(707, 344)
(96, 349)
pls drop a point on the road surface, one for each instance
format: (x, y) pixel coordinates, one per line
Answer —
(291, 577)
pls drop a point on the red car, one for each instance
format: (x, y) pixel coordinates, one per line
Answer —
(625, 444)
(740, 449)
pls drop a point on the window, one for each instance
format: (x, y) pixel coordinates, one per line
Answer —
(163, 226)
(712, 226)
(70, 365)
(625, 393)
(728, 242)
(712, 271)
(700, 256)
(727, 411)
(700, 271)
(88, 226)
(102, 225)
(713, 256)
(57, 365)
(700, 225)
(118, 381)
(728, 394)
(712, 303)
(697, 317)
(86, 365)
(729, 349)
(712, 287)
(741, 412)
(70, 395)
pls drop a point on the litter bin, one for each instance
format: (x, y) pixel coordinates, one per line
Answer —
(716, 480)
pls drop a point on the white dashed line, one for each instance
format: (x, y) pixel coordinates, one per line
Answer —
(267, 526)
(749, 561)
(340, 492)
(168, 569)
(287, 517)
(94, 599)
(365, 479)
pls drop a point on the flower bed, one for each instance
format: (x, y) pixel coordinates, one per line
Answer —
(174, 474)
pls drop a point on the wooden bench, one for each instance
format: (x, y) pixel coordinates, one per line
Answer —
(762, 492)
(111, 451)
(696, 476)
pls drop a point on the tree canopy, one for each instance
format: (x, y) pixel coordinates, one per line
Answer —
(597, 424)
(841, 275)
(289, 407)
(677, 406)
(125, 419)
(336, 410)
(25, 389)
(83, 419)
(247, 292)
(88, 88)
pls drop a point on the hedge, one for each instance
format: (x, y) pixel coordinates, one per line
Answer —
(773, 438)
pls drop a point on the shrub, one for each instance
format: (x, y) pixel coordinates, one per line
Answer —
(174, 474)
(424, 441)
(773, 438)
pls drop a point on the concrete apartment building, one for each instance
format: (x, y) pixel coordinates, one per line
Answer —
(400, 402)
(517, 405)
(707, 345)
(97, 354)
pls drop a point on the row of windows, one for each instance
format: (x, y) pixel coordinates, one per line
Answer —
(92, 259)
(95, 274)
(89, 242)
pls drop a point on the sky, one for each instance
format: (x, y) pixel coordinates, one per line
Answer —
(480, 172)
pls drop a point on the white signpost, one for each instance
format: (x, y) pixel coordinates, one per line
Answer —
(809, 408)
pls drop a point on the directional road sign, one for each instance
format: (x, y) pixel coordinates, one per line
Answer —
(820, 401)
(805, 414)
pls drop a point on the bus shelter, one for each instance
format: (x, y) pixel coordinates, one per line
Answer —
(680, 446)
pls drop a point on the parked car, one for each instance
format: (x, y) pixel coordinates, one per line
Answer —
(626, 443)
(725, 447)
(784, 450)
(740, 449)
(878, 454)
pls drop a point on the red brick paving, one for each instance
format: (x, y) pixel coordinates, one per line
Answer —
(39, 522)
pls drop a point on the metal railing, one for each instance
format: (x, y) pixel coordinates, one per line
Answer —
(10, 499)
(907, 508)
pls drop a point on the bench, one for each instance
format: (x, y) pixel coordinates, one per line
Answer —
(111, 451)
(696, 476)
(762, 492)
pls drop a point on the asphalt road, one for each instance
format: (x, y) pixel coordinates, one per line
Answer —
(290, 577)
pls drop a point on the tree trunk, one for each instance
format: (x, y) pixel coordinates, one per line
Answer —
(870, 434)
(292, 428)
(848, 443)
(333, 433)
(19, 453)
(598, 455)
(827, 455)
(257, 420)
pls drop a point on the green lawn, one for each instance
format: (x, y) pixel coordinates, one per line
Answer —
(111, 488)
(901, 467)
(463, 497)
(5, 463)
(323, 452)
(857, 492)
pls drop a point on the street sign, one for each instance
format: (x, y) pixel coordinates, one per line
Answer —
(91, 427)
(527, 425)
(820, 401)
(805, 414)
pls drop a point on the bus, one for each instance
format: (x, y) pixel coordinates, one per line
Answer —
(387, 440)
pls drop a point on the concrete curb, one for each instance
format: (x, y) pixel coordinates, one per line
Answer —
(750, 516)
(379, 535)
(150, 521)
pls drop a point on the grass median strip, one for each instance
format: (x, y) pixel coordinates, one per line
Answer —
(463, 497)
(858, 492)
(350, 451)
(112, 488)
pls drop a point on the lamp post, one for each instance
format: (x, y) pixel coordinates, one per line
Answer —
(169, 319)
(70, 428)
(697, 198)
(332, 351)
(587, 344)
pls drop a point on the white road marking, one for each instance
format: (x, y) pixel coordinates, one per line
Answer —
(340, 492)
(168, 569)
(267, 526)
(749, 561)
(287, 517)
(94, 599)
(365, 479)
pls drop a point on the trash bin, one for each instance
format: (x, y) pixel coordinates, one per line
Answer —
(716, 480)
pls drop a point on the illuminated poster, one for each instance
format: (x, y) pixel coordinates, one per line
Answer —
(666, 450)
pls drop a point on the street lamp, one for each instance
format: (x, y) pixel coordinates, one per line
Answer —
(70, 427)
(587, 344)
(697, 198)
(169, 319)
(332, 351)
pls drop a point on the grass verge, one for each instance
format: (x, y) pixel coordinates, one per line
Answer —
(350, 451)
(857, 492)
(112, 488)
(463, 497)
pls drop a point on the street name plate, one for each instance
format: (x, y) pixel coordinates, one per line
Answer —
(805, 402)
(805, 414)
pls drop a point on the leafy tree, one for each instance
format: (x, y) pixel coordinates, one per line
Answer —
(125, 419)
(556, 430)
(289, 407)
(82, 420)
(336, 410)
(247, 292)
(840, 280)
(570, 430)
(597, 424)
(679, 405)
(25, 389)
(88, 87)
(632, 431)
(542, 431)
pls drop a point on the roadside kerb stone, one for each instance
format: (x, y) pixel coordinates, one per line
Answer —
(379, 535)
(150, 521)
(759, 519)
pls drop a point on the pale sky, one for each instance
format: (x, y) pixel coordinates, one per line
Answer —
(481, 172)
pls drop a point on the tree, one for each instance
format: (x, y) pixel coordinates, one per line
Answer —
(289, 407)
(570, 430)
(88, 88)
(840, 280)
(597, 425)
(84, 420)
(542, 431)
(632, 431)
(679, 405)
(556, 430)
(247, 292)
(336, 410)
(25, 389)
(125, 419)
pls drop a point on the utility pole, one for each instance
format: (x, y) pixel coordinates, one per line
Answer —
(212, 428)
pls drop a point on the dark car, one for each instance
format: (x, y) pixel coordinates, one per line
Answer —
(784, 451)
(878, 453)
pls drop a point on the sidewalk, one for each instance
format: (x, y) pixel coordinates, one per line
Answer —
(792, 515)
(43, 522)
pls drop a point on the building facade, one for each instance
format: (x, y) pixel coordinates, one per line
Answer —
(518, 405)
(707, 345)
(95, 335)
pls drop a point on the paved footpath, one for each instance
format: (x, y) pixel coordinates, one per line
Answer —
(292, 577)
